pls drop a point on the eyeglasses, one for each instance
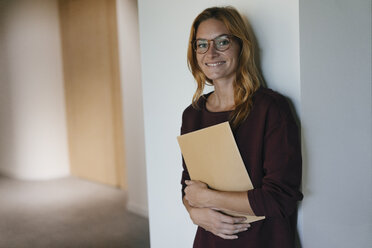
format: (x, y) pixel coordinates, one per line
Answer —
(220, 43)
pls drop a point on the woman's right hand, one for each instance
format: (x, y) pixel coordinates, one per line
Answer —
(217, 223)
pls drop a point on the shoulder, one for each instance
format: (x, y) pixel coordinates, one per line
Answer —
(268, 96)
(274, 104)
(191, 116)
(189, 112)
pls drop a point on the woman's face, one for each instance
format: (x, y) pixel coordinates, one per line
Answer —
(217, 65)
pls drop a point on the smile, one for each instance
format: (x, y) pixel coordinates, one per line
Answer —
(215, 64)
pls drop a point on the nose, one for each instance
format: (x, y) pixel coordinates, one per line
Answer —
(212, 51)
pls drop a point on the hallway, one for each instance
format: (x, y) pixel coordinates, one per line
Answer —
(67, 212)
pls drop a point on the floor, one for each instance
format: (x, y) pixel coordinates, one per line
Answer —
(67, 212)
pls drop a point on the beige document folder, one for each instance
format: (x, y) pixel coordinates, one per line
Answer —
(212, 156)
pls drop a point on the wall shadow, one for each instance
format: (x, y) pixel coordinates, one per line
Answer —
(257, 54)
(6, 111)
(256, 48)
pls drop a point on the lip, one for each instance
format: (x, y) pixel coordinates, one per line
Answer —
(214, 64)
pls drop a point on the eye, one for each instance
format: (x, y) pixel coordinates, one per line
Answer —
(222, 41)
(201, 44)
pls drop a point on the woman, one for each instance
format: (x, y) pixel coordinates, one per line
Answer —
(221, 53)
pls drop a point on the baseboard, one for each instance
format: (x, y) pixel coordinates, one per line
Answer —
(34, 177)
(138, 209)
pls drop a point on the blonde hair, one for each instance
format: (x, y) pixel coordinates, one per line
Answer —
(247, 80)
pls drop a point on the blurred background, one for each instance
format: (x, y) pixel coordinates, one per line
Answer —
(71, 124)
(84, 82)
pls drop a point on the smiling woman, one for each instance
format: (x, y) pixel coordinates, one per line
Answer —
(220, 61)
(214, 22)
(221, 53)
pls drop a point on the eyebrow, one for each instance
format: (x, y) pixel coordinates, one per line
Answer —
(213, 38)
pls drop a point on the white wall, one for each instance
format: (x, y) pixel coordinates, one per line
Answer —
(168, 87)
(33, 143)
(130, 74)
(336, 123)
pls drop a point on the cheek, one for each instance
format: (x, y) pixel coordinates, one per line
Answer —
(235, 59)
(235, 52)
(200, 63)
(198, 59)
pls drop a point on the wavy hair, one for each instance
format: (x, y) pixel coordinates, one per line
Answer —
(247, 80)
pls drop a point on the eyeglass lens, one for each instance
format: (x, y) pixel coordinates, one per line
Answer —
(220, 43)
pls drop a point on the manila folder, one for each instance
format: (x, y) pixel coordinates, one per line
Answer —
(212, 156)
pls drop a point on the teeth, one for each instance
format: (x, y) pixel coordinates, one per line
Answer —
(215, 64)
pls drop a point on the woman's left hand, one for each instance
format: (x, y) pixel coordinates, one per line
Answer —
(197, 194)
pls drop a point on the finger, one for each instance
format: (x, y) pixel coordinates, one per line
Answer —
(224, 236)
(198, 183)
(187, 190)
(189, 201)
(232, 220)
(240, 230)
(188, 182)
(227, 228)
(242, 226)
(231, 229)
(240, 219)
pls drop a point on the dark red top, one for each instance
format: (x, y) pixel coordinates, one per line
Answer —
(268, 141)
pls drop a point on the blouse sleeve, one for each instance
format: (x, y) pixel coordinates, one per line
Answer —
(185, 176)
(282, 163)
(185, 173)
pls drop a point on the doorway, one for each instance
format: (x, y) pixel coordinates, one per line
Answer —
(92, 90)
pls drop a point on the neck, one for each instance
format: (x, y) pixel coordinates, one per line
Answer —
(222, 98)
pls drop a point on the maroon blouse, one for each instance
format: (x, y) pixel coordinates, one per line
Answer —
(268, 141)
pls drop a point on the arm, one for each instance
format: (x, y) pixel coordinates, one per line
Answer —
(281, 161)
(221, 225)
(197, 194)
(279, 192)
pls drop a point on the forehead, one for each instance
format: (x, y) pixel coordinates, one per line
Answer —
(210, 29)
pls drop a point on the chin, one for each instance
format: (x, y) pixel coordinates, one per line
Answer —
(213, 77)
